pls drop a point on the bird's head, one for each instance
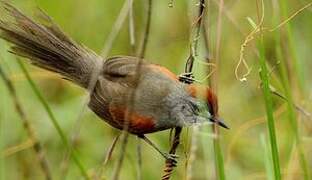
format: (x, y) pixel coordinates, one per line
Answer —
(208, 100)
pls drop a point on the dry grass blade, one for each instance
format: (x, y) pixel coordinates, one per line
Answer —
(219, 162)
(28, 127)
(107, 158)
(53, 119)
(139, 156)
(291, 17)
(142, 51)
(192, 154)
(130, 105)
(17, 148)
(169, 166)
(129, 113)
(116, 27)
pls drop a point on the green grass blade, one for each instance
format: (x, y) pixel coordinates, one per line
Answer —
(269, 110)
(286, 84)
(267, 158)
(291, 45)
(290, 107)
(219, 159)
(53, 119)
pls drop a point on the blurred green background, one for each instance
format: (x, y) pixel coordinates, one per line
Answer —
(245, 146)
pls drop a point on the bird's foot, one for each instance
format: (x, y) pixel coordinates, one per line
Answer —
(171, 157)
(187, 78)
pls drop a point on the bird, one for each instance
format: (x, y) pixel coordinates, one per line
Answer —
(129, 92)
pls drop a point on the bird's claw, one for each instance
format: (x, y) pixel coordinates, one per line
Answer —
(171, 157)
(187, 78)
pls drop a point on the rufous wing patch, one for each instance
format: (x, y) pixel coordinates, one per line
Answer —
(137, 123)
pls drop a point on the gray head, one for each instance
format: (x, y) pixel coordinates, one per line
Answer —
(188, 110)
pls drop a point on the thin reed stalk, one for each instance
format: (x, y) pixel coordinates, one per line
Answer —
(285, 80)
(269, 107)
(37, 146)
(218, 154)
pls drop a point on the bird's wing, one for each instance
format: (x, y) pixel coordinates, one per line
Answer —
(121, 66)
(118, 78)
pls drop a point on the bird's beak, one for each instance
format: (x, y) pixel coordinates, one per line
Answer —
(220, 122)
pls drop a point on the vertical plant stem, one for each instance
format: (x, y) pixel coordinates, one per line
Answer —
(131, 100)
(287, 89)
(288, 93)
(131, 29)
(139, 155)
(28, 127)
(218, 41)
(269, 109)
(146, 33)
(264, 76)
(218, 157)
(192, 154)
(133, 48)
(124, 141)
(219, 162)
(107, 158)
(2, 138)
(116, 27)
(53, 119)
(267, 158)
(292, 115)
(128, 115)
(292, 48)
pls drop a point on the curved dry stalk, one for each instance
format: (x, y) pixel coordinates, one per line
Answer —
(195, 37)
(248, 39)
(169, 166)
(291, 17)
(251, 36)
(107, 157)
(37, 146)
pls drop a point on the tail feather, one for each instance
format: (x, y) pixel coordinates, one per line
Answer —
(47, 46)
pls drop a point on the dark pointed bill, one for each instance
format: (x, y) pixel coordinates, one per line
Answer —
(220, 122)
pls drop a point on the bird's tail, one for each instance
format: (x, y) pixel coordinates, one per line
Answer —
(47, 46)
